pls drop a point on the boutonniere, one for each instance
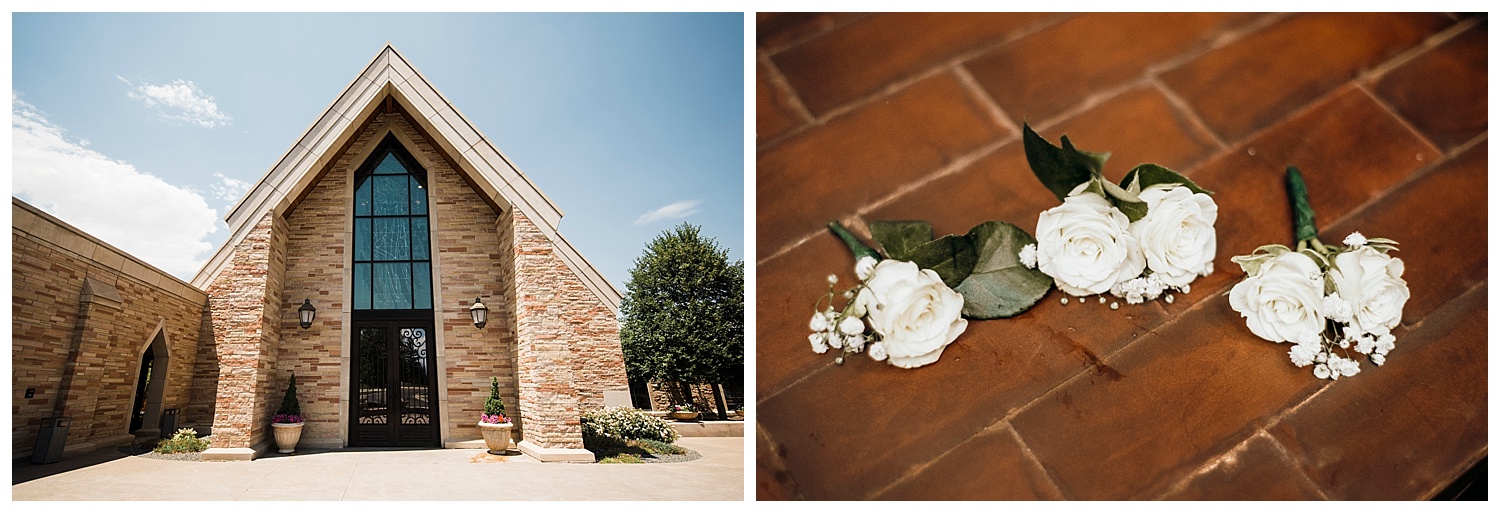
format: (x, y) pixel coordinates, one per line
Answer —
(1150, 235)
(1326, 299)
(910, 303)
(1142, 239)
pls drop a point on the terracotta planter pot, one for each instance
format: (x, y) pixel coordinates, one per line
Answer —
(684, 416)
(287, 436)
(496, 436)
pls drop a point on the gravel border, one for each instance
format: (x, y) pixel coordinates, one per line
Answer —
(673, 458)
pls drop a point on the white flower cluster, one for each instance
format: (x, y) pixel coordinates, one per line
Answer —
(1326, 302)
(1089, 247)
(912, 315)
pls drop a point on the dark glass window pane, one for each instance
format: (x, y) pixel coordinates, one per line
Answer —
(373, 407)
(362, 199)
(418, 198)
(419, 238)
(361, 239)
(421, 283)
(390, 166)
(390, 195)
(361, 286)
(392, 286)
(392, 242)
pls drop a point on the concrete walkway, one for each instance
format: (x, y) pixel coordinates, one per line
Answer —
(412, 474)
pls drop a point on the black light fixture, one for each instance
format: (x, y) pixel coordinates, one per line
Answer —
(306, 313)
(479, 312)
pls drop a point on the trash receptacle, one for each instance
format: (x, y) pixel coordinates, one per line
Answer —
(51, 440)
(168, 422)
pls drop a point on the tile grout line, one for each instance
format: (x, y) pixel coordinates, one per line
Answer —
(1208, 466)
(917, 469)
(1150, 73)
(896, 86)
(1187, 112)
(891, 89)
(991, 107)
(761, 435)
(1467, 145)
(1426, 45)
(1294, 462)
(1405, 123)
(954, 166)
(1031, 457)
(773, 73)
(815, 34)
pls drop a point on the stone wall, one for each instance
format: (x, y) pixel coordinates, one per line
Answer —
(245, 308)
(568, 342)
(467, 264)
(82, 313)
(317, 264)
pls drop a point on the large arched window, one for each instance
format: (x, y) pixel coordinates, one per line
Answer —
(392, 264)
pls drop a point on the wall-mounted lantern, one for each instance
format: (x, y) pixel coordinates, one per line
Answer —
(306, 313)
(479, 313)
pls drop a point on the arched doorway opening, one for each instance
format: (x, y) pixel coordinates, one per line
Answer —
(151, 381)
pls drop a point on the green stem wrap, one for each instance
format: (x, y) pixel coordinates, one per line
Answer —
(1302, 212)
(859, 249)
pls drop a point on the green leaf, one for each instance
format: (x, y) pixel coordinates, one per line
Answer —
(900, 238)
(1147, 175)
(1060, 169)
(1094, 161)
(952, 257)
(859, 249)
(1000, 286)
(1128, 203)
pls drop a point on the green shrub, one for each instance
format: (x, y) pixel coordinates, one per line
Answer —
(186, 440)
(623, 458)
(655, 447)
(624, 423)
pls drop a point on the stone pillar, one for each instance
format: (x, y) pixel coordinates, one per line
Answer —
(549, 400)
(244, 304)
(83, 374)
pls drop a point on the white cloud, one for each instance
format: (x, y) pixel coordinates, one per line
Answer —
(676, 210)
(155, 221)
(229, 189)
(180, 101)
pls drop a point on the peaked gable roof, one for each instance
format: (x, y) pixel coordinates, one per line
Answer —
(389, 74)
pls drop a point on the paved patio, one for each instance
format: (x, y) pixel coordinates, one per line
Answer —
(412, 474)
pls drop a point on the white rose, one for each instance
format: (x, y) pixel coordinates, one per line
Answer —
(1177, 235)
(915, 314)
(1371, 282)
(1284, 301)
(1085, 245)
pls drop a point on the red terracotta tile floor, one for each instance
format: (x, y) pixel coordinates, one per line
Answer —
(864, 117)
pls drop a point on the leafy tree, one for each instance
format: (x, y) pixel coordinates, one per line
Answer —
(684, 312)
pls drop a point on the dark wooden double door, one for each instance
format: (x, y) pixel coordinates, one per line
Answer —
(394, 384)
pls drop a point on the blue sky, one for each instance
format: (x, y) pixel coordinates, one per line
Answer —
(142, 129)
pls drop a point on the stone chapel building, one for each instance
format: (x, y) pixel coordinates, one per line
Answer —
(391, 215)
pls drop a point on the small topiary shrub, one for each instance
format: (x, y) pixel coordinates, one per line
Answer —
(624, 423)
(290, 411)
(186, 440)
(494, 409)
